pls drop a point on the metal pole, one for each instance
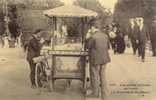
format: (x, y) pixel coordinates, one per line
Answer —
(83, 34)
(82, 31)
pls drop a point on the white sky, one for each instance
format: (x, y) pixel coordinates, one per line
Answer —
(106, 3)
(110, 4)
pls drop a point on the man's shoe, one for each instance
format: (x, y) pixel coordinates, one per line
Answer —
(134, 53)
(154, 55)
(143, 60)
(33, 86)
(93, 96)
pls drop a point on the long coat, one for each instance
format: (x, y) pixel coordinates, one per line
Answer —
(153, 31)
(34, 48)
(98, 48)
(153, 37)
(143, 34)
(13, 28)
(133, 33)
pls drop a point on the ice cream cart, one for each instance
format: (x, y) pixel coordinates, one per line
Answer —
(68, 60)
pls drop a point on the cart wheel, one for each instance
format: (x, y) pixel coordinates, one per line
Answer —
(37, 74)
(40, 76)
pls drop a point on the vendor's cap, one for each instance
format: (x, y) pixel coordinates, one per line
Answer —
(37, 31)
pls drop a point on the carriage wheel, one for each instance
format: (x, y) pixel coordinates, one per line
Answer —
(38, 74)
(41, 78)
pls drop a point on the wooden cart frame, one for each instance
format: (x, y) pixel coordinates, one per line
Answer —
(69, 11)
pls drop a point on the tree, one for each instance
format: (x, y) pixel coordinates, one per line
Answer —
(29, 12)
(41, 4)
(132, 8)
(104, 15)
(28, 15)
(126, 9)
(2, 22)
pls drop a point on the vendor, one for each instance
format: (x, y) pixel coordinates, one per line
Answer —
(34, 48)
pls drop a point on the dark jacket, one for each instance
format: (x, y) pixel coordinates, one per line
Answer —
(153, 37)
(13, 28)
(34, 48)
(143, 35)
(152, 32)
(133, 33)
(98, 49)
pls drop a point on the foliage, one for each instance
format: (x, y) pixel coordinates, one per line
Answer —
(103, 14)
(81, 25)
(29, 13)
(2, 23)
(126, 9)
(36, 4)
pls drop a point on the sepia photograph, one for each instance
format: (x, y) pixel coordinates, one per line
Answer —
(78, 49)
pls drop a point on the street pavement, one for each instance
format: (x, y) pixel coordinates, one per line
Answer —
(127, 79)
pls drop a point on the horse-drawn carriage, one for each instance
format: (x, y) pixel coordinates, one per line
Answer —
(64, 60)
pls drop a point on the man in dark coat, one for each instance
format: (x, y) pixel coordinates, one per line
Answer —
(13, 28)
(153, 35)
(34, 47)
(132, 32)
(98, 57)
(143, 36)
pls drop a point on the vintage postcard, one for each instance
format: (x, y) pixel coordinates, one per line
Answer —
(77, 49)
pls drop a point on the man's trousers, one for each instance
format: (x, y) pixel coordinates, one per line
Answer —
(142, 46)
(98, 80)
(134, 45)
(32, 66)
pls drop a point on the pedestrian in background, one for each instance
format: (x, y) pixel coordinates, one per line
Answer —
(143, 36)
(133, 34)
(153, 35)
(112, 36)
(119, 41)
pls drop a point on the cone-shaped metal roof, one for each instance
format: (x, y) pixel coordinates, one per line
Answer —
(70, 11)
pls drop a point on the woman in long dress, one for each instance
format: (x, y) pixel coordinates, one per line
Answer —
(120, 43)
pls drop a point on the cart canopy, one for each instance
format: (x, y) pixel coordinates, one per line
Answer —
(70, 11)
